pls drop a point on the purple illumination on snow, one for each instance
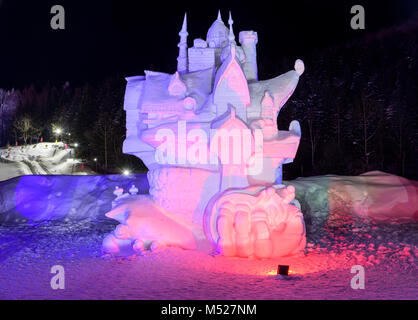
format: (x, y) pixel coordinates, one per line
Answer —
(41, 198)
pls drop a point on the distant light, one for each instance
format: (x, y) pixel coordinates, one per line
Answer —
(126, 172)
(58, 131)
(283, 270)
(95, 159)
(69, 134)
(75, 145)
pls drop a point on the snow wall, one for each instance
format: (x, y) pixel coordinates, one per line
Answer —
(331, 199)
(370, 197)
(53, 197)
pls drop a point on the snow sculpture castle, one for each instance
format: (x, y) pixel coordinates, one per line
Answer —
(213, 107)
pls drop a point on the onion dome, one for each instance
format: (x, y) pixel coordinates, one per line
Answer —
(217, 36)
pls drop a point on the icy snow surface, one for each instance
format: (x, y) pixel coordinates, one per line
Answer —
(387, 252)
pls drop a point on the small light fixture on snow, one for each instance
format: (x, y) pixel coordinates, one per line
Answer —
(283, 270)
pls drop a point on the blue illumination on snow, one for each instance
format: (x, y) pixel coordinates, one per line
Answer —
(42, 198)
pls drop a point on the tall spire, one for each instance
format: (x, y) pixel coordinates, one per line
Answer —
(231, 36)
(219, 16)
(183, 31)
(182, 58)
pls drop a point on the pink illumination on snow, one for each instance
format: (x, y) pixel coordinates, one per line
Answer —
(256, 223)
(232, 76)
(314, 261)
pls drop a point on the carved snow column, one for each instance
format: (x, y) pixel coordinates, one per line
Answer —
(182, 58)
(248, 40)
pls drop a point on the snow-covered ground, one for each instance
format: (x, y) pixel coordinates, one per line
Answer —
(388, 254)
(43, 158)
(387, 249)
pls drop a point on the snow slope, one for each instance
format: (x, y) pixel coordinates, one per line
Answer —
(10, 169)
(40, 159)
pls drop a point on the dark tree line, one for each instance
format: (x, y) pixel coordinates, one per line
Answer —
(90, 118)
(357, 105)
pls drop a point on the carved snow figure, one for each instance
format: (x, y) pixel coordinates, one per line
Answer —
(209, 137)
(256, 221)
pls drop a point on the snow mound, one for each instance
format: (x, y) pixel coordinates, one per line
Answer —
(373, 196)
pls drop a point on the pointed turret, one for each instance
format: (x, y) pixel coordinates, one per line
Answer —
(219, 16)
(231, 36)
(182, 58)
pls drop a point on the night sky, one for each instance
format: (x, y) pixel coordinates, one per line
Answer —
(122, 38)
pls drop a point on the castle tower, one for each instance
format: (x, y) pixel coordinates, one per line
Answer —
(182, 58)
(248, 40)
